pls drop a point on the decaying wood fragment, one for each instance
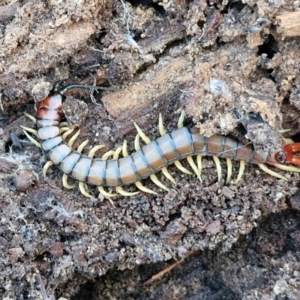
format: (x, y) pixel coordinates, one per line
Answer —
(7, 166)
(8, 12)
(289, 24)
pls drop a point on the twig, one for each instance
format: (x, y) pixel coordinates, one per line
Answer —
(42, 286)
(164, 271)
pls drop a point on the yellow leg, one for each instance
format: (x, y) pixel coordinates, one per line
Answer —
(287, 168)
(142, 134)
(218, 166)
(65, 182)
(284, 130)
(124, 149)
(117, 152)
(31, 130)
(137, 145)
(73, 138)
(179, 166)
(241, 171)
(155, 180)
(122, 192)
(168, 175)
(162, 130)
(104, 193)
(181, 119)
(194, 167)
(32, 140)
(82, 188)
(63, 124)
(64, 129)
(32, 118)
(94, 150)
(48, 164)
(144, 189)
(270, 172)
(65, 135)
(229, 169)
(82, 145)
(106, 155)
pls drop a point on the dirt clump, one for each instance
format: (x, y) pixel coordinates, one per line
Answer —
(232, 65)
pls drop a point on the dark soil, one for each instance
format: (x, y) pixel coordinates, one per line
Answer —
(232, 67)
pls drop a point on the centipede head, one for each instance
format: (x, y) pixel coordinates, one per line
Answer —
(288, 154)
(51, 107)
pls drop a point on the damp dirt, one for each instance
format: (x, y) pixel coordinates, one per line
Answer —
(233, 66)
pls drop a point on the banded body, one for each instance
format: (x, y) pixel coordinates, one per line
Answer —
(155, 156)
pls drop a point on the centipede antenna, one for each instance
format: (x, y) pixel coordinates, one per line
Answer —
(32, 118)
(94, 150)
(82, 145)
(194, 167)
(137, 145)
(57, 84)
(218, 166)
(83, 191)
(165, 172)
(104, 193)
(32, 140)
(199, 163)
(124, 193)
(140, 186)
(181, 119)
(287, 168)
(179, 166)
(229, 169)
(80, 70)
(85, 86)
(162, 130)
(65, 182)
(106, 155)
(73, 138)
(47, 165)
(142, 134)
(155, 180)
(241, 171)
(31, 130)
(270, 172)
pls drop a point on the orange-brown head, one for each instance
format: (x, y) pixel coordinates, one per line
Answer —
(287, 155)
(50, 108)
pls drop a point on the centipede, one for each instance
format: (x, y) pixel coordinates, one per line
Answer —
(119, 168)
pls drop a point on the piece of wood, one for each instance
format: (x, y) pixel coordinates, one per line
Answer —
(8, 12)
(289, 24)
(168, 76)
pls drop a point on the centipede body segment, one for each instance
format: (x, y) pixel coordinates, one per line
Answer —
(146, 161)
